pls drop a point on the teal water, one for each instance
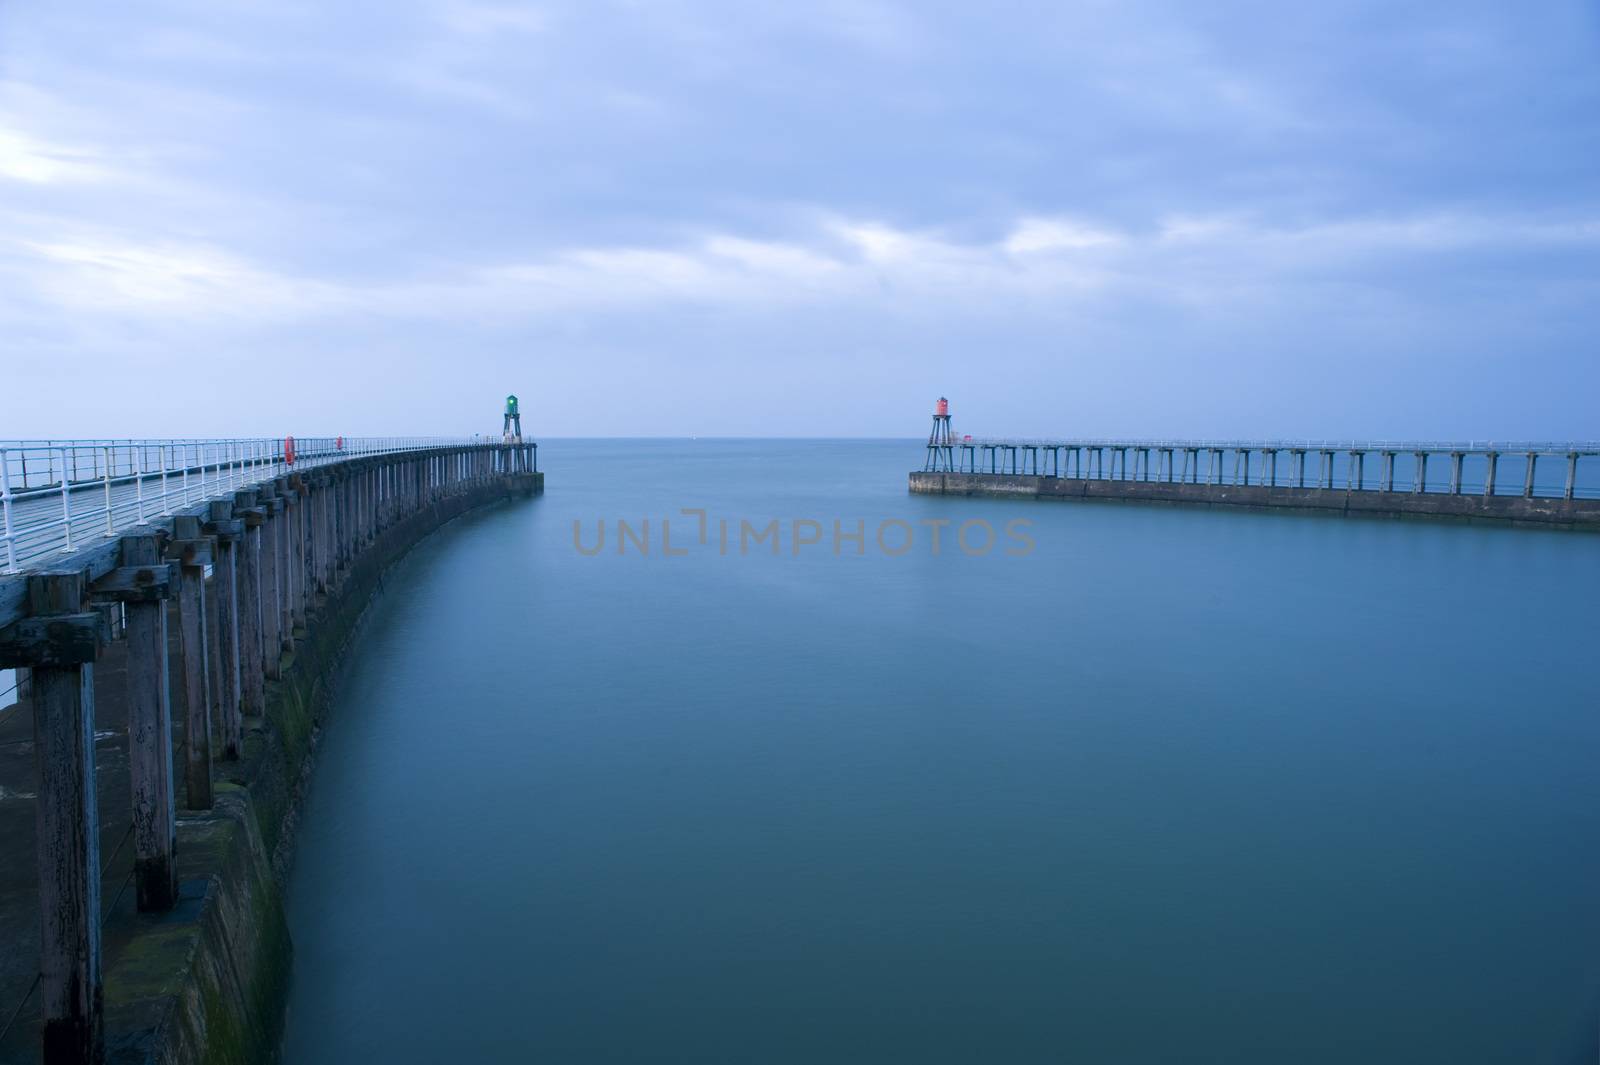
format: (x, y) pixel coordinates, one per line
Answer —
(1177, 786)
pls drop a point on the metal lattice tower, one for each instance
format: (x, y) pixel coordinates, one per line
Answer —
(941, 447)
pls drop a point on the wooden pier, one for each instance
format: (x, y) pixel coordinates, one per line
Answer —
(185, 650)
(1462, 481)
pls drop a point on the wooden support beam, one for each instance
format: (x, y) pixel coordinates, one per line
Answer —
(155, 826)
(229, 534)
(53, 640)
(135, 584)
(252, 681)
(67, 820)
(193, 554)
(271, 586)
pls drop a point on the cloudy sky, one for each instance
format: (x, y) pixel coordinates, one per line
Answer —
(670, 217)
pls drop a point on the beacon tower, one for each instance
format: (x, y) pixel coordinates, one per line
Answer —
(941, 448)
(512, 432)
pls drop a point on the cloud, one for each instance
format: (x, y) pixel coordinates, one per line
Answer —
(39, 162)
(1040, 264)
(478, 19)
(1034, 235)
(87, 275)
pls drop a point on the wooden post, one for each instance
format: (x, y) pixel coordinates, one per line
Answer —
(142, 585)
(193, 553)
(297, 553)
(58, 643)
(319, 522)
(229, 532)
(271, 592)
(285, 566)
(252, 682)
(324, 533)
(339, 496)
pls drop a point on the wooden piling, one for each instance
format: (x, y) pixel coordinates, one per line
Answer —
(142, 585)
(229, 533)
(58, 643)
(271, 584)
(252, 686)
(287, 532)
(193, 553)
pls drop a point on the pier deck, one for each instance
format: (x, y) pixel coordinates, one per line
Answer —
(1536, 484)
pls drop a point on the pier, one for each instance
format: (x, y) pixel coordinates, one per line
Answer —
(170, 611)
(1530, 483)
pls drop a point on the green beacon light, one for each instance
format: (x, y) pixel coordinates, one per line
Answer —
(511, 433)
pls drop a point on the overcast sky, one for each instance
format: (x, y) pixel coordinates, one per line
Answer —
(673, 218)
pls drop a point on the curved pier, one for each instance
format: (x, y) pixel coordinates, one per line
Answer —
(172, 681)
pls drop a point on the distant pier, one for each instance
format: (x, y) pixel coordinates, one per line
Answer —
(1537, 484)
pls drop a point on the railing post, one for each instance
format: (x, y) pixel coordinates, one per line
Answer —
(136, 460)
(58, 643)
(166, 504)
(5, 511)
(142, 585)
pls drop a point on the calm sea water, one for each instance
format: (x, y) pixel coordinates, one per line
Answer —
(1177, 786)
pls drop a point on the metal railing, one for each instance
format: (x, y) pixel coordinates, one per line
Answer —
(1471, 467)
(1464, 447)
(55, 495)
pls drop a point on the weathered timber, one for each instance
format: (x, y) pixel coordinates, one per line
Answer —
(194, 661)
(135, 584)
(229, 534)
(252, 686)
(68, 829)
(155, 830)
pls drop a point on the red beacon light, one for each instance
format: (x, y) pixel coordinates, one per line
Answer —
(943, 409)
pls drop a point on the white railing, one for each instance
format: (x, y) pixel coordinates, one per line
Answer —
(57, 495)
(1465, 447)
